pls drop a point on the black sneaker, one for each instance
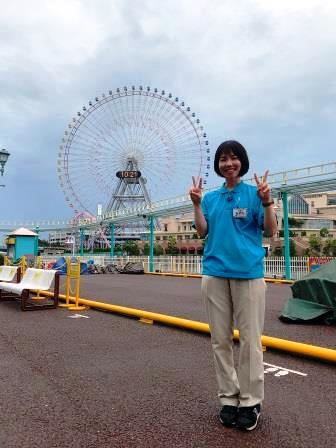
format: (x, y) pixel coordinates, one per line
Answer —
(228, 415)
(248, 417)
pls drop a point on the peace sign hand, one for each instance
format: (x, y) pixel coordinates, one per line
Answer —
(195, 191)
(264, 191)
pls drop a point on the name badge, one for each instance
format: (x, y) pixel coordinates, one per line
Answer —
(239, 213)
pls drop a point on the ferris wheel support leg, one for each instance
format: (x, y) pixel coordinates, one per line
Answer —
(151, 244)
(112, 240)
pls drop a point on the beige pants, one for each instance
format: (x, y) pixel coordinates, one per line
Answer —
(240, 303)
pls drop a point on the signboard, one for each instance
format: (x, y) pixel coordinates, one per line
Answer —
(128, 174)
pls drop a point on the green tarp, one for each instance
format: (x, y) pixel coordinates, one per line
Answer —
(314, 297)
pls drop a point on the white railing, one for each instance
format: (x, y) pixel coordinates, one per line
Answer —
(192, 264)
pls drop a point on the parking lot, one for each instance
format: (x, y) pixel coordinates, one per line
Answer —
(96, 379)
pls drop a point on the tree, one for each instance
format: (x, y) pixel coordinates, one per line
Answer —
(131, 248)
(172, 245)
(43, 243)
(329, 248)
(158, 249)
(290, 233)
(324, 232)
(333, 248)
(277, 251)
(315, 243)
(146, 249)
(295, 223)
(292, 248)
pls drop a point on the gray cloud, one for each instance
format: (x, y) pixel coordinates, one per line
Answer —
(260, 72)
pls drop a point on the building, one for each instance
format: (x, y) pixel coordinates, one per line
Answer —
(182, 229)
(311, 212)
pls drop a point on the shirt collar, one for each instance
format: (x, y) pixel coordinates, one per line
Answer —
(236, 189)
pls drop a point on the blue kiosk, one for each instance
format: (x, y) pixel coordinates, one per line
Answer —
(22, 242)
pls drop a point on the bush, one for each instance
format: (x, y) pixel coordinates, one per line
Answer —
(277, 252)
(324, 232)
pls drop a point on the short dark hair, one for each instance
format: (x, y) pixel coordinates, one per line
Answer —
(236, 148)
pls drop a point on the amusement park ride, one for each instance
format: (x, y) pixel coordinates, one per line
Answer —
(130, 147)
(125, 150)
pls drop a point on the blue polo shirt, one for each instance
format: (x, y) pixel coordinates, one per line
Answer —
(235, 218)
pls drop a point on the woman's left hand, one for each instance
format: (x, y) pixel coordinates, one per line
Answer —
(264, 191)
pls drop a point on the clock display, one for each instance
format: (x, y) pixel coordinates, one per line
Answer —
(128, 174)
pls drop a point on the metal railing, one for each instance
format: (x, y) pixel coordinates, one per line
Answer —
(192, 264)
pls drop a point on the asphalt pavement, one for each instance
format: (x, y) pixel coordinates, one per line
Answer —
(96, 379)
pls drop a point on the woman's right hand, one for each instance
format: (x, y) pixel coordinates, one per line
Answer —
(195, 191)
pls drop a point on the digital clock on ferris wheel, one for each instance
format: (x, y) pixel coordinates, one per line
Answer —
(128, 174)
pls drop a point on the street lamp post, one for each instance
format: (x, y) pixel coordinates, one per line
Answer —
(72, 240)
(3, 159)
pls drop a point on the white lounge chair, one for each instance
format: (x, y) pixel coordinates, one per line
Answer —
(7, 273)
(33, 280)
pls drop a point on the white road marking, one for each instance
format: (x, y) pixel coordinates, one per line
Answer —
(281, 371)
(77, 316)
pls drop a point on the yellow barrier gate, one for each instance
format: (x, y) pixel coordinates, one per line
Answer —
(73, 273)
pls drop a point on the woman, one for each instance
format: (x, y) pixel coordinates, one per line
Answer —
(233, 218)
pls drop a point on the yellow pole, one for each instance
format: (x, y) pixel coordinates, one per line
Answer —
(75, 274)
(23, 264)
(313, 351)
(6, 261)
(170, 274)
(67, 303)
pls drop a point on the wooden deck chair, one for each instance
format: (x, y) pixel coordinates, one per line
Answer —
(33, 280)
(7, 273)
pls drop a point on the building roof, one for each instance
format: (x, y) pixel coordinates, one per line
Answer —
(22, 231)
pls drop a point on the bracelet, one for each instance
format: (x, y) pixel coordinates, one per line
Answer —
(267, 204)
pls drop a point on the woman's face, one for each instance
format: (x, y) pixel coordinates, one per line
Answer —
(229, 166)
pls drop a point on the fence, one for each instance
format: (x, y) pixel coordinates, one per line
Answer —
(192, 264)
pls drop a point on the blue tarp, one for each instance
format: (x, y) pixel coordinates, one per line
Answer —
(60, 265)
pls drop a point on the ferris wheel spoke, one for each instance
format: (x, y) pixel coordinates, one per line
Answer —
(152, 126)
(192, 143)
(113, 141)
(107, 137)
(162, 129)
(94, 129)
(157, 132)
(107, 148)
(175, 123)
(148, 112)
(92, 133)
(111, 107)
(123, 118)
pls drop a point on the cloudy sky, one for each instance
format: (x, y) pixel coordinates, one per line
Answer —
(259, 71)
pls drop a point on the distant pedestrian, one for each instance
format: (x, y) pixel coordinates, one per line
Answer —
(233, 219)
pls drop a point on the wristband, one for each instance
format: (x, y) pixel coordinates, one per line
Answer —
(267, 204)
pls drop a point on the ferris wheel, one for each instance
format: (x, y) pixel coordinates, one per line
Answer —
(131, 145)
